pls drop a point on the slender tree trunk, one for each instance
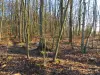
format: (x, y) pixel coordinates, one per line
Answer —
(27, 30)
(79, 17)
(42, 39)
(41, 19)
(2, 18)
(94, 20)
(62, 19)
(83, 26)
(70, 21)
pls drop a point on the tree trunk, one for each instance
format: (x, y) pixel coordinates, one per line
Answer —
(83, 26)
(70, 21)
(62, 19)
(2, 18)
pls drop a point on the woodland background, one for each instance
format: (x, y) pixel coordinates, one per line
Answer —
(49, 37)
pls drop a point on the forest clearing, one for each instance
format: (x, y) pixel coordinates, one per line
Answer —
(49, 37)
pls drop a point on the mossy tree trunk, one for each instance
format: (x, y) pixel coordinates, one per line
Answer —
(2, 18)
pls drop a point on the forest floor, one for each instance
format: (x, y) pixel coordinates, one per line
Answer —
(13, 61)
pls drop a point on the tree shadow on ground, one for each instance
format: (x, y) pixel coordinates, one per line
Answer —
(30, 67)
(22, 50)
(34, 50)
(91, 58)
(27, 67)
(24, 66)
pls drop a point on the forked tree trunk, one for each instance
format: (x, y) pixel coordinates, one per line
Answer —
(62, 19)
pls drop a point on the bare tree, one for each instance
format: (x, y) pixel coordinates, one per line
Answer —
(62, 19)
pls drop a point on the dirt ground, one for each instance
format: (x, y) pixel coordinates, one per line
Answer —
(70, 61)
